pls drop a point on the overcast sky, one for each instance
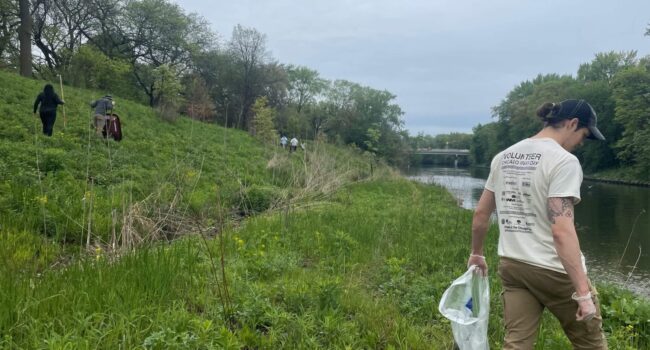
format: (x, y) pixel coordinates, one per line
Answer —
(448, 61)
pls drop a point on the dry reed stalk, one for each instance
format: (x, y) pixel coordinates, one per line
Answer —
(629, 275)
(629, 237)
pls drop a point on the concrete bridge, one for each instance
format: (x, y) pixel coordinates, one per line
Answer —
(443, 151)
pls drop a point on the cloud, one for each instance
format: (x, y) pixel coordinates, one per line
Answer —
(445, 60)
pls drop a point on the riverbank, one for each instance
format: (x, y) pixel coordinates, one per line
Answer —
(617, 181)
(363, 269)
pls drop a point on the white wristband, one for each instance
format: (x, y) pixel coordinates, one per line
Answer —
(477, 256)
(575, 296)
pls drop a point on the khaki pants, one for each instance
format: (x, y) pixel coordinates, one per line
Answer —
(100, 121)
(527, 290)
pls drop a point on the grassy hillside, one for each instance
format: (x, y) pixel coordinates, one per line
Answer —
(340, 263)
(161, 178)
(364, 271)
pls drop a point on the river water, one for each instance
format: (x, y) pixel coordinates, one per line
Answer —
(613, 223)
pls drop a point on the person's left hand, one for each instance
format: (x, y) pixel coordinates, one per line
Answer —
(586, 310)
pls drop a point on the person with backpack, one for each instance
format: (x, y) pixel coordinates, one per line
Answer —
(102, 107)
(48, 101)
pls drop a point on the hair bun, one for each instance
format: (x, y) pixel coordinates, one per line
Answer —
(548, 108)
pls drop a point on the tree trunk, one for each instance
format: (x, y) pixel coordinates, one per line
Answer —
(25, 38)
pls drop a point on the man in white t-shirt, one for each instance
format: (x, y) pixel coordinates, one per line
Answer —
(283, 141)
(534, 185)
(293, 144)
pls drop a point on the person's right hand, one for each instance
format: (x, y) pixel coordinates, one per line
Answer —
(586, 310)
(479, 261)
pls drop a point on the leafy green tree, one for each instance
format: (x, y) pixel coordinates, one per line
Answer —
(484, 144)
(59, 27)
(516, 114)
(633, 112)
(199, 104)
(160, 33)
(106, 29)
(599, 155)
(168, 89)
(90, 68)
(605, 66)
(247, 48)
(9, 23)
(273, 84)
(263, 128)
(304, 85)
(356, 109)
(216, 68)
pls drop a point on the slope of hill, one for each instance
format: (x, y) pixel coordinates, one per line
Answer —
(76, 187)
(339, 266)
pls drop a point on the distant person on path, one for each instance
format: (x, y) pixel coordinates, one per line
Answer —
(101, 106)
(294, 144)
(534, 185)
(48, 100)
(283, 141)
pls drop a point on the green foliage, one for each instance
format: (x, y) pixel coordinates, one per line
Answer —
(484, 144)
(155, 52)
(627, 318)
(304, 85)
(155, 163)
(614, 83)
(632, 111)
(606, 65)
(199, 105)
(257, 199)
(89, 68)
(263, 117)
(167, 89)
(359, 113)
(363, 270)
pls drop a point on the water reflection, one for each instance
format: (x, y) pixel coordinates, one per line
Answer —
(612, 220)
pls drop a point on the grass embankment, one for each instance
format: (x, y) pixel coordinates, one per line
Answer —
(157, 183)
(338, 265)
(621, 175)
(365, 270)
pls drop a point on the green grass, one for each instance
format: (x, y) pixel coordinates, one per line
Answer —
(340, 261)
(160, 171)
(365, 270)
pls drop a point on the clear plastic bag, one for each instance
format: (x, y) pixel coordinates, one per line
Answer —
(466, 303)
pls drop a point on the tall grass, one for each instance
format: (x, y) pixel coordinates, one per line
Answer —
(81, 189)
(364, 270)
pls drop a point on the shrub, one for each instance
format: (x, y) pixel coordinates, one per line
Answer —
(257, 199)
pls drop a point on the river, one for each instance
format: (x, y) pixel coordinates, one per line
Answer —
(613, 223)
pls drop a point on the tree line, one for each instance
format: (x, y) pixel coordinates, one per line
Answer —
(154, 52)
(616, 84)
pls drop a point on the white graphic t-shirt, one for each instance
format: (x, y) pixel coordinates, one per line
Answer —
(522, 178)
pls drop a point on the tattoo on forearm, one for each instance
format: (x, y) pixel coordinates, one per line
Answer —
(559, 207)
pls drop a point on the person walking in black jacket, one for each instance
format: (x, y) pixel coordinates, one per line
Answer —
(49, 100)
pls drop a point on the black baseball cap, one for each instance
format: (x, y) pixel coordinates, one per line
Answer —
(584, 112)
